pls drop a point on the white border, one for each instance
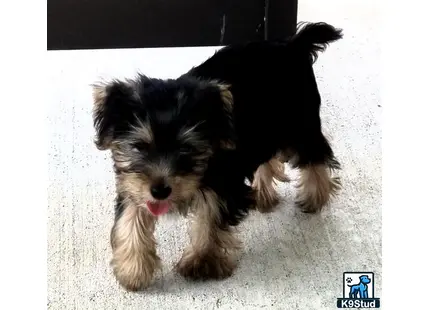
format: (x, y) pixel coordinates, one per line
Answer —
(406, 88)
(406, 182)
(23, 155)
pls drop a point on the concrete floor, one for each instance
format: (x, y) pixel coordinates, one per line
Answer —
(290, 260)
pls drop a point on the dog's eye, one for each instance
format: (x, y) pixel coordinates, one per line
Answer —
(140, 146)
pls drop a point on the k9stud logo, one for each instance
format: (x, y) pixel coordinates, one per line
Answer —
(358, 291)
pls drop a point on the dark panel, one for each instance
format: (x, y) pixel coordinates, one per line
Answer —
(84, 24)
(282, 18)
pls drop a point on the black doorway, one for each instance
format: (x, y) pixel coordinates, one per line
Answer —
(98, 24)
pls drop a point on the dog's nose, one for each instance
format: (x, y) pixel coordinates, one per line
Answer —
(161, 191)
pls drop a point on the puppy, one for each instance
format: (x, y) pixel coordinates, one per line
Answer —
(187, 145)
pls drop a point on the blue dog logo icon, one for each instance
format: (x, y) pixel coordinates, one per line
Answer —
(360, 288)
(358, 291)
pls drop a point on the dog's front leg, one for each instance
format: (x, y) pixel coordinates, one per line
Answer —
(365, 293)
(134, 259)
(213, 248)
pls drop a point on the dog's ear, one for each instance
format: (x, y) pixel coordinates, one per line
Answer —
(112, 111)
(218, 105)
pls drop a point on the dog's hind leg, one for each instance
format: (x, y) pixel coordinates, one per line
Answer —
(316, 186)
(265, 193)
(316, 162)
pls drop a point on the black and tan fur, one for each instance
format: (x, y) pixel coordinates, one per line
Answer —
(189, 144)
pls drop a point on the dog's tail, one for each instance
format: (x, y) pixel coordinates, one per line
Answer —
(315, 37)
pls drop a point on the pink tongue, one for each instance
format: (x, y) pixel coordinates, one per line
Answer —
(159, 207)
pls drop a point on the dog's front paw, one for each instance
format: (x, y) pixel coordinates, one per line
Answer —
(135, 274)
(211, 265)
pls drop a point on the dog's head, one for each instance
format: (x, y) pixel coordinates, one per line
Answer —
(364, 279)
(162, 134)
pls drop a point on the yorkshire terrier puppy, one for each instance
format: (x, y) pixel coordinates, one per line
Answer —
(188, 145)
